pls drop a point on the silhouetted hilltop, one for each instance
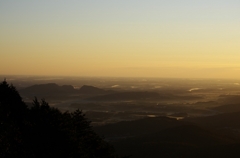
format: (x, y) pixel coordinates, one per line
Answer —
(140, 95)
(47, 89)
(52, 89)
(43, 131)
(161, 129)
(229, 99)
(228, 108)
(165, 137)
(190, 134)
(181, 141)
(91, 90)
(225, 120)
(125, 96)
(136, 127)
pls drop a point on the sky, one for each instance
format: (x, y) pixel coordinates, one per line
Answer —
(120, 38)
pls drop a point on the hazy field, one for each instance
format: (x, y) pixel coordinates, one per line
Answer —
(134, 98)
(149, 117)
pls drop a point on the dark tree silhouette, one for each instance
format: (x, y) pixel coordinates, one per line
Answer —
(43, 131)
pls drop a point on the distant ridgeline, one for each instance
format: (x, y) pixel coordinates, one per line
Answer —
(42, 131)
(91, 93)
(53, 88)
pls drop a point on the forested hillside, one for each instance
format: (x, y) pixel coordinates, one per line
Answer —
(43, 131)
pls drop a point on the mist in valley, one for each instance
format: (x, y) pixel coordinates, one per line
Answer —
(197, 115)
(109, 100)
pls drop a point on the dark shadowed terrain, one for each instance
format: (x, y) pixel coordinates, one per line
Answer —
(148, 117)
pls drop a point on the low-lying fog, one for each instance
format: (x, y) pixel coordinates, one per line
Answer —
(109, 100)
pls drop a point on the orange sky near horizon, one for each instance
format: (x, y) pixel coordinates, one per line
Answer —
(186, 39)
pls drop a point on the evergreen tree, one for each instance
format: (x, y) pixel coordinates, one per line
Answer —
(43, 131)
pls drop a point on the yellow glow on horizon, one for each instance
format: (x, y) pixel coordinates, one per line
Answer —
(141, 41)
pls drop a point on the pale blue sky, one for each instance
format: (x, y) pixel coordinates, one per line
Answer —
(113, 35)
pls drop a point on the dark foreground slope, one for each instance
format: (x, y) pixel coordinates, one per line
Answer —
(164, 137)
(42, 131)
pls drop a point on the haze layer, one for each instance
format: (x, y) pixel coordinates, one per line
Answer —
(133, 38)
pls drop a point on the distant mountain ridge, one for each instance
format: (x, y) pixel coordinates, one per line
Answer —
(139, 95)
(125, 96)
(54, 89)
(92, 93)
(90, 90)
(47, 89)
